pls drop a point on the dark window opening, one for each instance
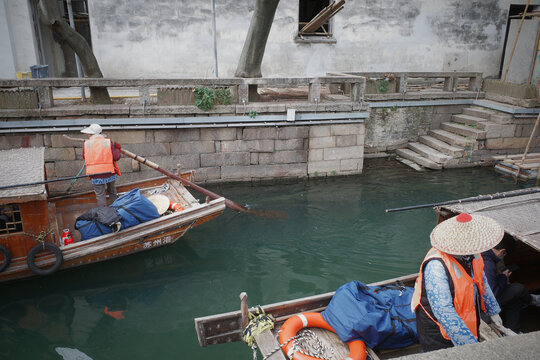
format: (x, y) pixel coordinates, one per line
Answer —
(308, 10)
(10, 219)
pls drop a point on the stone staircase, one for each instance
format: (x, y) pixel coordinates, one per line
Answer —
(456, 142)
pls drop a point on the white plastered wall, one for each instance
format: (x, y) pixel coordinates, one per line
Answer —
(16, 26)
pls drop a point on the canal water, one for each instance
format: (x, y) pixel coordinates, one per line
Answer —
(337, 230)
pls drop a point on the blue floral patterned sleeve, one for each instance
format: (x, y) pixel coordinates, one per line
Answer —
(440, 299)
(492, 306)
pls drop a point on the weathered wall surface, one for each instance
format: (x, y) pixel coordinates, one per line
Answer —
(16, 38)
(524, 54)
(392, 128)
(174, 37)
(217, 154)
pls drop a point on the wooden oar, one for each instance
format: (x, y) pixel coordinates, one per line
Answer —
(471, 199)
(231, 204)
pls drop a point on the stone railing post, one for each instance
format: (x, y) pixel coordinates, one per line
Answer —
(475, 82)
(45, 95)
(243, 93)
(402, 83)
(144, 94)
(448, 83)
(314, 95)
(358, 90)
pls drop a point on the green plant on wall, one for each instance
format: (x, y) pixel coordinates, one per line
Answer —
(253, 114)
(384, 86)
(204, 98)
(223, 96)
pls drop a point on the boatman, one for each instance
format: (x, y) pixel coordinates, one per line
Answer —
(100, 155)
(451, 288)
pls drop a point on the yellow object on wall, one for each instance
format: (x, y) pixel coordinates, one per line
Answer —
(23, 75)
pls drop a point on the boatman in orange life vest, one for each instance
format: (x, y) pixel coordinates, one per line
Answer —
(451, 288)
(100, 155)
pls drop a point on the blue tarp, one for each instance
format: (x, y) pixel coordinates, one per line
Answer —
(380, 316)
(134, 209)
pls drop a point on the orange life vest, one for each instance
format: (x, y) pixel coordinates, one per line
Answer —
(98, 156)
(463, 288)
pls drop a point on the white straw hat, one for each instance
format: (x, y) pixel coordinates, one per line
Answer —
(161, 202)
(92, 129)
(466, 234)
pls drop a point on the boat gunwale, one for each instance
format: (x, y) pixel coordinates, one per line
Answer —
(280, 310)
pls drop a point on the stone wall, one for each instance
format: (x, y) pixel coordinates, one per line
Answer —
(225, 154)
(390, 128)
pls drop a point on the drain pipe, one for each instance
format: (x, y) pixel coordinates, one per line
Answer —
(214, 35)
(79, 68)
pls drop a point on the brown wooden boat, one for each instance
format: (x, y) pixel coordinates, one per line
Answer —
(31, 218)
(518, 214)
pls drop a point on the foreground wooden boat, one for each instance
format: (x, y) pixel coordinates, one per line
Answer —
(30, 217)
(518, 214)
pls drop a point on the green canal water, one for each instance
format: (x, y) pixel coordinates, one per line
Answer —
(337, 231)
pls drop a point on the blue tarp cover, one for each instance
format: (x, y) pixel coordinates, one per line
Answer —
(134, 209)
(381, 316)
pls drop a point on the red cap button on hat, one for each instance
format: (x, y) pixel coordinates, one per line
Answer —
(463, 218)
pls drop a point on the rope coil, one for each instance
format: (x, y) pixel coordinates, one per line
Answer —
(258, 323)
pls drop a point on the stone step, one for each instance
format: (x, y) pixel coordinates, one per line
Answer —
(478, 112)
(445, 148)
(419, 159)
(453, 139)
(410, 163)
(474, 121)
(501, 118)
(464, 130)
(429, 152)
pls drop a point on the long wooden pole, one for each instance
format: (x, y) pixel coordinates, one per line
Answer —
(231, 204)
(471, 199)
(530, 139)
(515, 42)
(48, 181)
(527, 148)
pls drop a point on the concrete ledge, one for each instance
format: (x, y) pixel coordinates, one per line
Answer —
(522, 347)
(518, 91)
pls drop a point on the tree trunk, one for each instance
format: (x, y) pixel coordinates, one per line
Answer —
(49, 14)
(250, 61)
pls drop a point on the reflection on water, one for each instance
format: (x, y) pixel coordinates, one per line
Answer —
(337, 231)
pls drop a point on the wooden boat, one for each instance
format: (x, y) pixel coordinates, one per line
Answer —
(518, 214)
(516, 166)
(32, 217)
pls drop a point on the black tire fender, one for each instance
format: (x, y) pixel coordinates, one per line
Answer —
(7, 257)
(31, 258)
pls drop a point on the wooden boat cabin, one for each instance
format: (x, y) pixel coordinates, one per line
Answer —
(31, 222)
(520, 216)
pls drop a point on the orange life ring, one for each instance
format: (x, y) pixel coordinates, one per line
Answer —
(357, 348)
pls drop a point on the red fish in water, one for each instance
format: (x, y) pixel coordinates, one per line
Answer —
(115, 314)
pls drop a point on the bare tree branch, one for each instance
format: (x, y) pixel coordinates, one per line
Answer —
(49, 14)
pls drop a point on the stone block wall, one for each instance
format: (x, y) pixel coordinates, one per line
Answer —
(226, 154)
(390, 128)
(336, 149)
(511, 137)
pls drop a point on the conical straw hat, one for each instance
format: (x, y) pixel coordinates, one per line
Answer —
(466, 234)
(161, 202)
